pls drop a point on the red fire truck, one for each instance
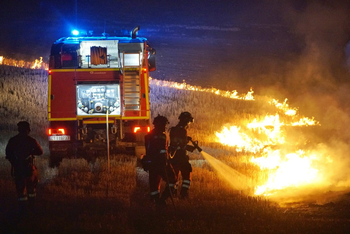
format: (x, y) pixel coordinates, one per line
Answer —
(98, 95)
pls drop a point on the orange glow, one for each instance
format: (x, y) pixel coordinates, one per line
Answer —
(36, 64)
(148, 129)
(229, 94)
(284, 165)
(136, 129)
(294, 169)
(61, 130)
(49, 132)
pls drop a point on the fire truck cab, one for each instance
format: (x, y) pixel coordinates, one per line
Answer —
(98, 95)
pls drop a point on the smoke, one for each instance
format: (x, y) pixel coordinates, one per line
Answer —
(317, 79)
(314, 76)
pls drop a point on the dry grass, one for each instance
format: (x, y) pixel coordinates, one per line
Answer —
(82, 197)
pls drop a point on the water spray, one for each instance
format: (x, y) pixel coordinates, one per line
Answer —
(237, 180)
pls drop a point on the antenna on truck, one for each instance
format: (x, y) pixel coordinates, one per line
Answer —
(134, 32)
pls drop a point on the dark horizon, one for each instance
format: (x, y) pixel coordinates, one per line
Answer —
(279, 48)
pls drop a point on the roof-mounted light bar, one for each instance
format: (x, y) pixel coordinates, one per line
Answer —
(75, 32)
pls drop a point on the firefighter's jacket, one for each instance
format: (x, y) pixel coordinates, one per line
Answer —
(178, 145)
(20, 151)
(156, 149)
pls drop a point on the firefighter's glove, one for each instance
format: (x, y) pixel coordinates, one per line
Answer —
(195, 144)
(189, 139)
(190, 148)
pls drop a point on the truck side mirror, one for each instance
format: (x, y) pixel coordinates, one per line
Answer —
(151, 59)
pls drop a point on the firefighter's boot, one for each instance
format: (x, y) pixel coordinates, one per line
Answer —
(184, 193)
(154, 196)
(184, 189)
(157, 200)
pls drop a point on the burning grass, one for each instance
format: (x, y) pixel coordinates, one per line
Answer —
(83, 197)
(260, 139)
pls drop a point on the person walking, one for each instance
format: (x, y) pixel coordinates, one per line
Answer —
(20, 151)
(156, 162)
(178, 152)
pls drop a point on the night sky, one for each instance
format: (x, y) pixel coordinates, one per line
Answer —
(38, 23)
(278, 47)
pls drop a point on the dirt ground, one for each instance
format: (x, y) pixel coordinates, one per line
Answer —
(91, 215)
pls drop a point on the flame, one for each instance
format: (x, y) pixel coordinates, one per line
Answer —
(270, 127)
(284, 107)
(233, 137)
(261, 137)
(290, 170)
(265, 139)
(228, 94)
(36, 64)
(305, 122)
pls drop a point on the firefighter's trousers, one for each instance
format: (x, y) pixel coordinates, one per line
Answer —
(185, 168)
(156, 174)
(26, 185)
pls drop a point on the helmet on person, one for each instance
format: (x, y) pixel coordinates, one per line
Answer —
(186, 117)
(160, 121)
(23, 126)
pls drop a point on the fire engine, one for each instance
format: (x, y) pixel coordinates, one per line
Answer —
(98, 95)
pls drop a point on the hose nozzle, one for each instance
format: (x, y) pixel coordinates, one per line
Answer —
(195, 144)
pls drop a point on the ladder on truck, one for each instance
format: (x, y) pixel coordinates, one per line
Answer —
(131, 82)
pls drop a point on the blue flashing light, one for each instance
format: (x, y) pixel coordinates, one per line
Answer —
(75, 32)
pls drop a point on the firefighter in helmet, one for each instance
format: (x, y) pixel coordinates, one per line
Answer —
(20, 151)
(178, 151)
(156, 161)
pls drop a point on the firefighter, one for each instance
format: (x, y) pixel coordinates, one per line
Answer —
(20, 151)
(156, 162)
(178, 152)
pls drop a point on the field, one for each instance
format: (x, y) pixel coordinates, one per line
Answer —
(82, 197)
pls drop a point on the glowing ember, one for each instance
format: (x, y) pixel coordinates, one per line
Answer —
(305, 122)
(284, 107)
(37, 64)
(233, 94)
